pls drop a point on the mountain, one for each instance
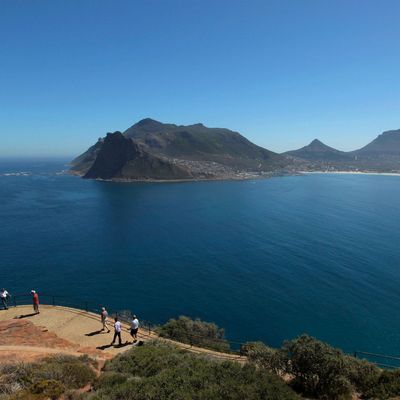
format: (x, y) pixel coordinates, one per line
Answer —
(318, 151)
(386, 144)
(381, 155)
(122, 158)
(153, 150)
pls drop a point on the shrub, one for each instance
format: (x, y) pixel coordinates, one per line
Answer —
(49, 388)
(72, 371)
(274, 360)
(195, 332)
(46, 379)
(161, 371)
(386, 386)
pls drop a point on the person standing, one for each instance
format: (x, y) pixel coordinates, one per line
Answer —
(104, 318)
(134, 327)
(117, 332)
(4, 296)
(35, 300)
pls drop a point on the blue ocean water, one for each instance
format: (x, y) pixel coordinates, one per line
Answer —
(265, 259)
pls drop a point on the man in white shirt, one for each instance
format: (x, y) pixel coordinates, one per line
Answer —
(134, 328)
(117, 332)
(4, 296)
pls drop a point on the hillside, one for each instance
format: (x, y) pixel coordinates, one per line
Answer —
(380, 155)
(386, 144)
(151, 150)
(61, 353)
(318, 151)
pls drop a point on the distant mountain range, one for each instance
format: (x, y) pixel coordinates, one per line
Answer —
(381, 155)
(151, 150)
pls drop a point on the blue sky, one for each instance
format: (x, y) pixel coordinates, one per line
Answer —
(280, 72)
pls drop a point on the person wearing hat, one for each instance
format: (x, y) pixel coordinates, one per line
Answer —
(35, 300)
(104, 317)
(134, 327)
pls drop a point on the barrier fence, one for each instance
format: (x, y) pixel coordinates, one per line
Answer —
(126, 316)
(381, 360)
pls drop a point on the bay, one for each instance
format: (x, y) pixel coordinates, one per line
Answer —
(265, 259)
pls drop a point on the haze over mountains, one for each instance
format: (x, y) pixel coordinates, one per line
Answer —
(151, 150)
(381, 155)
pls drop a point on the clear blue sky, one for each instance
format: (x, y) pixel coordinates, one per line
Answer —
(280, 72)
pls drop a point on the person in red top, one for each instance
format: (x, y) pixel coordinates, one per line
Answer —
(35, 299)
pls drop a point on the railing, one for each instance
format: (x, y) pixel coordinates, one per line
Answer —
(190, 339)
(389, 362)
(126, 316)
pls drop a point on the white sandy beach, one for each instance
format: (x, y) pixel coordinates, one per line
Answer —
(351, 173)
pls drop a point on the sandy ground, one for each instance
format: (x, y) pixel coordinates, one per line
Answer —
(25, 336)
(351, 173)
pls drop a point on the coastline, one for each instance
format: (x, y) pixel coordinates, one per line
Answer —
(243, 177)
(239, 177)
(351, 173)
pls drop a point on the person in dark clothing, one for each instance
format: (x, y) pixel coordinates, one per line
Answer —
(4, 296)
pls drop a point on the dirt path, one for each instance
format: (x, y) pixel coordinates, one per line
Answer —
(69, 330)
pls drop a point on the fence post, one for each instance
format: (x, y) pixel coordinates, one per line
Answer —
(53, 301)
(86, 306)
(355, 354)
(15, 301)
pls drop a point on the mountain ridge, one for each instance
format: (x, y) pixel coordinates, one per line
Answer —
(152, 150)
(174, 152)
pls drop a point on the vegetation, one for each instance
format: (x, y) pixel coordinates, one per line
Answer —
(195, 332)
(301, 367)
(162, 371)
(47, 379)
(323, 372)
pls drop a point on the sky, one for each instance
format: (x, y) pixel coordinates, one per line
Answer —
(280, 72)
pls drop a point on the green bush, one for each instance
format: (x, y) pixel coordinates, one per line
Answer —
(195, 332)
(318, 370)
(159, 371)
(386, 386)
(46, 379)
(73, 372)
(274, 360)
(48, 388)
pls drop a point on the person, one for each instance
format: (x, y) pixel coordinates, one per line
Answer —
(104, 317)
(4, 296)
(117, 332)
(134, 328)
(35, 300)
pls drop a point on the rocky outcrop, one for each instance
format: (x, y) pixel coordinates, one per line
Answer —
(122, 158)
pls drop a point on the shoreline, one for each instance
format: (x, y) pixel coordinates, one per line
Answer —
(351, 173)
(237, 178)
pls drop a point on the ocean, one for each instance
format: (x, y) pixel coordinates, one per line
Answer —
(264, 259)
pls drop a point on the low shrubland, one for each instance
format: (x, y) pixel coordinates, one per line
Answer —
(162, 371)
(46, 379)
(302, 367)
(320, 371)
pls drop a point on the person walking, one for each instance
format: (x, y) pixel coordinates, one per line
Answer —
(104, 318)
(117, 332)
(4, 296)
(35, 300)
(134, 328)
